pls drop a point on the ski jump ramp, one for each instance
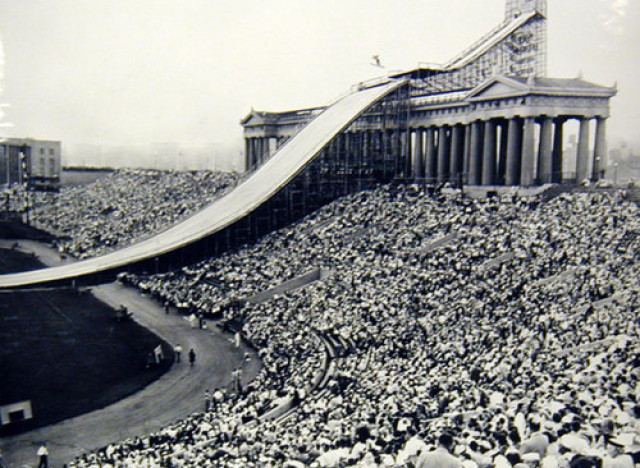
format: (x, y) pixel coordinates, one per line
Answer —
(264, 183)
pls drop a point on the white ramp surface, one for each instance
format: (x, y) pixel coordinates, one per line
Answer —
(273, 175)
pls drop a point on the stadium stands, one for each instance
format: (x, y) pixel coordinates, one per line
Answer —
(471, 338)
(124, 207)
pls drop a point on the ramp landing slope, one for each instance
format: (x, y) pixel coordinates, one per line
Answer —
(273, 175)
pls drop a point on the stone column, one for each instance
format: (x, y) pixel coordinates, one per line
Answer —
(258, 151)
(265, 149)
(558, 151)
(423, 153)
(502, 154)
(466, 157)
(514, 152)
(582, 162)
(432, 162)
(489, 154)
(475, 153)
(443, 154)
(407, 152)
(410, 149)
(600, 148)
(247, 154)
(418, 166)
(457, 151)
(423, 159)
(545, 154)
(254, 152)
(528, 152)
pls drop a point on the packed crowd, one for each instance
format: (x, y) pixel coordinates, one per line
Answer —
(13, 199)
(516, 338)
(124, 207)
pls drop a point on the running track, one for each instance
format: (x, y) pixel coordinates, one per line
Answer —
(175, 395)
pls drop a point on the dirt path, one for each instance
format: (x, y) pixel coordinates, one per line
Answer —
(175, 395)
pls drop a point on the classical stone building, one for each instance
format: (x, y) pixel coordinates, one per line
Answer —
(489, 116)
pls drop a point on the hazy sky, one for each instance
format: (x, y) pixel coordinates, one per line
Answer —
(138, 71)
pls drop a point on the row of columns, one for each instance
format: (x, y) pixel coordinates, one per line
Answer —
(503, 151)
(258, 149)
(484, 152)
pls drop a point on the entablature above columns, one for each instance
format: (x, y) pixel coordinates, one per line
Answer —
(569, 107)
(504, 97)
(280, 131)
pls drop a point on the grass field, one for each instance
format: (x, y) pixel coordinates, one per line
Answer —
(64, 351)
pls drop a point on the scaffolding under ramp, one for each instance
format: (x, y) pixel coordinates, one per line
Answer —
(258, 188)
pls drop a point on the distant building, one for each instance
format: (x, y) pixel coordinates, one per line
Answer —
(35, 163)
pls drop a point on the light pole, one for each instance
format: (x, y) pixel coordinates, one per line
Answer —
(615, 174)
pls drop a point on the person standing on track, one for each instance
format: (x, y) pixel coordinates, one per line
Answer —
(177, 350)
(207, 401)
(192, 357)
(43, 453)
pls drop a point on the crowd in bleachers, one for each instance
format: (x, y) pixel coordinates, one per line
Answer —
(529, 361)
(13, 199)
(124, 207)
